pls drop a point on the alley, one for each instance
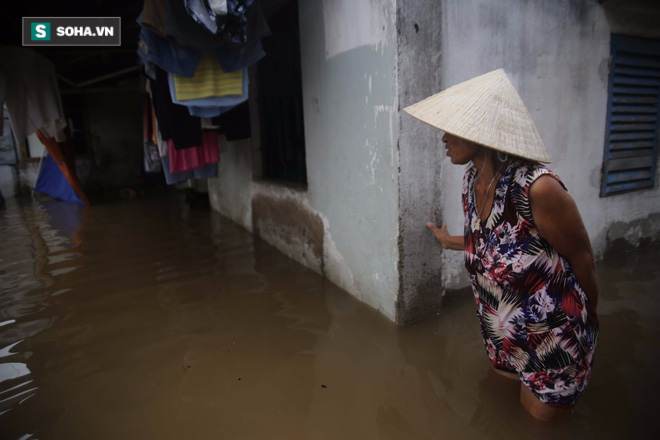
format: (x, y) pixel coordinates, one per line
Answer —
(149, 319)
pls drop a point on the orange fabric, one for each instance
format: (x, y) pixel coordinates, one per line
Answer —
(65, 162)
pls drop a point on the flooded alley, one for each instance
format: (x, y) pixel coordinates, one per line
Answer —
(149, 319)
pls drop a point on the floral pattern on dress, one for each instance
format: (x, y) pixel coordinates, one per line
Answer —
(531, 308)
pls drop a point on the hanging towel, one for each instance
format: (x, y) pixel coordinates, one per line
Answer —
(196, 157)
(206, 172)
(209, 81)
(31, 93)
(212, 106)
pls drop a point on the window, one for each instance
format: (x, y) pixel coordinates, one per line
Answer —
(280, 100)
(631, 143)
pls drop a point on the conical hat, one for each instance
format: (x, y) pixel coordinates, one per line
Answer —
(486, 110)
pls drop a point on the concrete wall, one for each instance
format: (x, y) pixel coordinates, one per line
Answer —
(556, 54)
(419, 60)
(345, 223)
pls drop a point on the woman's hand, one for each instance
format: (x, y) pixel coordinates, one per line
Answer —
(454, 242)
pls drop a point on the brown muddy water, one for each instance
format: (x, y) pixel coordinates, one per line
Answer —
(151, 320)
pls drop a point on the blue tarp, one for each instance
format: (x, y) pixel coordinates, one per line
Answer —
(52, 181)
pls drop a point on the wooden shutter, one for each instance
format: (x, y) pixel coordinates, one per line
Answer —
(631, 144)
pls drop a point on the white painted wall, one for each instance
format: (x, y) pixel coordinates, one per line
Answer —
(556, 55)
(350, 110)
(231, 192)
(348, 57)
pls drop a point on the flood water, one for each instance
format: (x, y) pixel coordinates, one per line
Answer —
(152, 320)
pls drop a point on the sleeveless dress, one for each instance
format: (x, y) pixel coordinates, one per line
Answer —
(532, 310)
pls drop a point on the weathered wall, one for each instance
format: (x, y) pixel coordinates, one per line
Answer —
(345, 223)
(556, 54)
(231, 192)
(419, 26)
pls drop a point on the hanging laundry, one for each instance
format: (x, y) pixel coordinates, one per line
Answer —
(147, 118)
(154, 16)
(196, 157)
(218, 6)
(201, 12)
(234, 57)
(174, 121)
(208, 112)
(209, 81)
(152, 162)
(167, 53)
(163, 147)
(183, 28)
(31, 93)
(206, 172)
(233, 26)
(214, 105)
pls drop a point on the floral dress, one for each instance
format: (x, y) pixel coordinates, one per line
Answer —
(532, 310)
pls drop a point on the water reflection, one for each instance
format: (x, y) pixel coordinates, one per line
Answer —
(144, 320)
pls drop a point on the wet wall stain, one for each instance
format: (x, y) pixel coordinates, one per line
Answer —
(419, 296)
(290, 222)
(627, 236)
(420, 301)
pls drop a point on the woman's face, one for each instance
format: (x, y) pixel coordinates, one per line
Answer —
(459, 150)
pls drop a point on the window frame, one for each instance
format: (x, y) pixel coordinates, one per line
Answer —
(282, 147)
(633, 116)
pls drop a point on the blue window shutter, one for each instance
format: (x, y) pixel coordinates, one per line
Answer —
(633, 116)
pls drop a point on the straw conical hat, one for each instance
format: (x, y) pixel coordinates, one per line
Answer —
(486, 110)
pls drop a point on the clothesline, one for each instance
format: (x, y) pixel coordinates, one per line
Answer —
(196, 54)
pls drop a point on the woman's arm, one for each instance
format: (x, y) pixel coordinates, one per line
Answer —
(559, 222)
(454, 242)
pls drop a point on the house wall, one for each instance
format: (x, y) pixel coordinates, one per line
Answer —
(419, 61)
(344, 224)
(556, 54)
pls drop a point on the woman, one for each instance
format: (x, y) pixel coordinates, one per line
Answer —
(526, 248)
